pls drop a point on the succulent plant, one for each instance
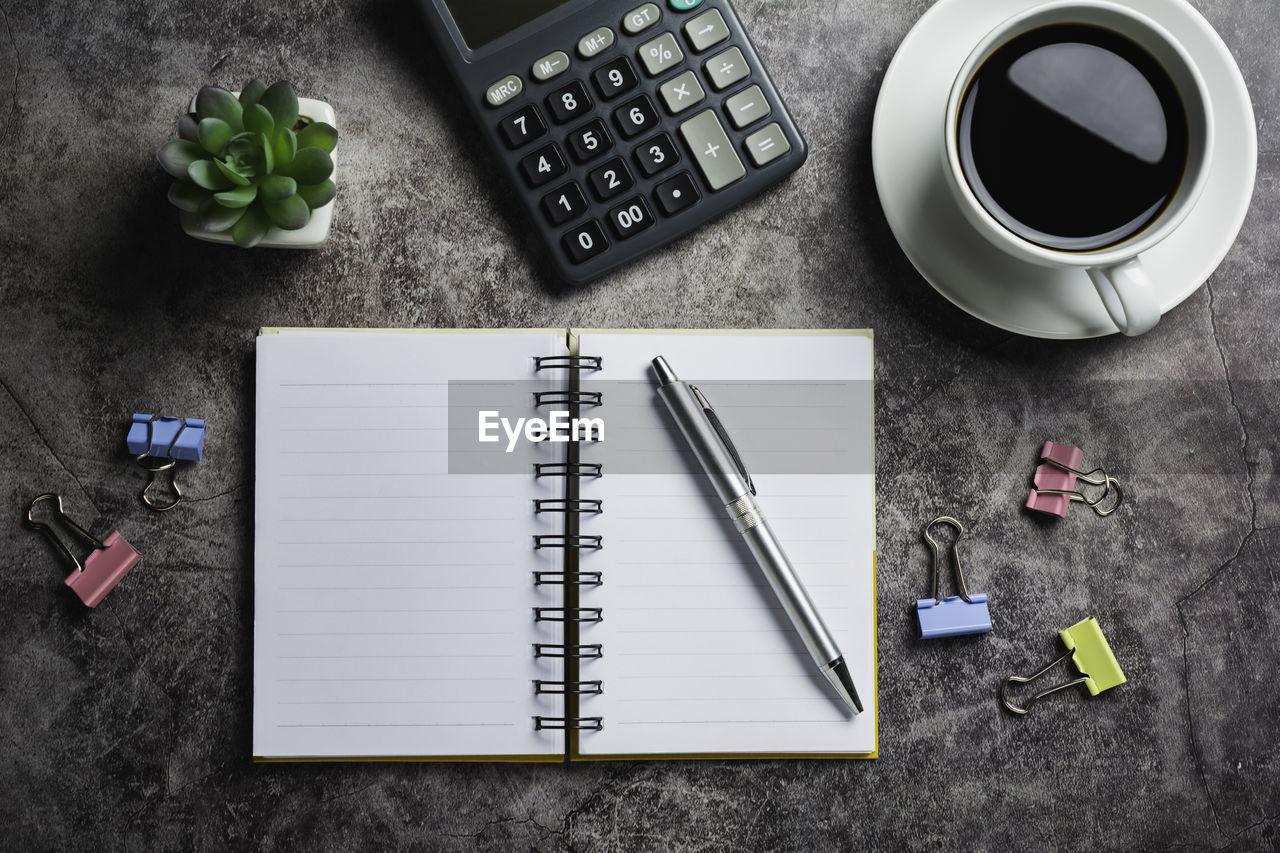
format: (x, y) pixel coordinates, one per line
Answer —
(246, 163)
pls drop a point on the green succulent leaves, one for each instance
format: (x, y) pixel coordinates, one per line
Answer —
(244, 164)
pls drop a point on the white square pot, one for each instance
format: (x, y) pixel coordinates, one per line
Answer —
(310, 236)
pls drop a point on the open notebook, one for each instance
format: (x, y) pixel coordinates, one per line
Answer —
(419, 595)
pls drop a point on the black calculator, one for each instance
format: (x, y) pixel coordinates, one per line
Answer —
(621, 125)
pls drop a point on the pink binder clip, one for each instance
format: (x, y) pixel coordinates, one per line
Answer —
(107, 564)
(1056, 480)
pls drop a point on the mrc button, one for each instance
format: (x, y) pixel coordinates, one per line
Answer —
(504, 90)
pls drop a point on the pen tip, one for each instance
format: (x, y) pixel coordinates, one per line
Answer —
(840, 679)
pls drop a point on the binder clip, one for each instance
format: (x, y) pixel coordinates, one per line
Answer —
(1092, 655)
(107, 564)
(1056, 481)
(955, 615)
(158, 443)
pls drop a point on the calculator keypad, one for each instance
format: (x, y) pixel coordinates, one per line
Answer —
(543, 166)
(585, 242)
(565, 204)
(589, 142)
(610, 180)
(615, 78)
(656, 155)
(643, 130)
(568, 103)
(635, 117)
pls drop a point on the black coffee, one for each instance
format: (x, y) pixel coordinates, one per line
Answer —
(1073, 137)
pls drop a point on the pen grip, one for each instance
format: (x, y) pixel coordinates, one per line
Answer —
(782, 578)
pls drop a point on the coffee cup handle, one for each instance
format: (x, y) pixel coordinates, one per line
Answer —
(1128, 296)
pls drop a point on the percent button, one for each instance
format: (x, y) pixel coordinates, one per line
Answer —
(661, 55)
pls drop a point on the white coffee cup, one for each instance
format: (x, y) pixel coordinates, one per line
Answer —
(1116, 271)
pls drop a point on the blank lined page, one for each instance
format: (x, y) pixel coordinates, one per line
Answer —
(393, 599)
(698, 656)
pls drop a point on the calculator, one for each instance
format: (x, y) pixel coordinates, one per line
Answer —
(621, 125)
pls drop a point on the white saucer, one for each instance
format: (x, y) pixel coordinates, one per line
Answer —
(906, 150)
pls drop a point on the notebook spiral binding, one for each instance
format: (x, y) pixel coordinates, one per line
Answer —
(571, 578)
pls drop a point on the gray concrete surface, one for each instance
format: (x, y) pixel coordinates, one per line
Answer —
(128, 728)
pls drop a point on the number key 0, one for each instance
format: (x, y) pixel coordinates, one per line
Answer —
(585, 242)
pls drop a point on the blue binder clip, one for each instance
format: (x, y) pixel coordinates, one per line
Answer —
(955, 615)
(158, 443)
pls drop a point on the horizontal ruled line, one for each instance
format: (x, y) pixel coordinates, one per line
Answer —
(387, 657)
(344, 680)
(395, 634)
(391, 725)
(384, 588)
(720, 722)
(384, 610)
(402, 702)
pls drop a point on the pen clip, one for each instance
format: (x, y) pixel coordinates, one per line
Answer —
(714, 420)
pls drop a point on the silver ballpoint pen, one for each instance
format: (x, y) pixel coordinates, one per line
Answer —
(715, 452)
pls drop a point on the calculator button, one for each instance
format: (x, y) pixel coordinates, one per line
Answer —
(542, 166)
(661, 54)
(610, 180)
(681, 93)
(630, 218)
(551, 65)
(685, 5)
(767, 145)
(712, 150)
(522, 127)
(656, 155)
(640, 19)
(725, 69)
(504, 90)
(615, 78)
(585, 242)
(595, 43)
(589, 142)
(677, 194)
(564, 204)
(568, 103)
(747, 107)
(635, 117)
(706, 30)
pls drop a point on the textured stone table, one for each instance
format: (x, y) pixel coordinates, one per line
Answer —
(129, 727)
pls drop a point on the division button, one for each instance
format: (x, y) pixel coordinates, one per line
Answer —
(747, 107)
(712, 150)
(725, 69)
(677, 194)
(504, 90)
(767, 145)
(595, 43)
(551, 65)
(706, 30)
(682, 92)
(640, 19)
(585, 242)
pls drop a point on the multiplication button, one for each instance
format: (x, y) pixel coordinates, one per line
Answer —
(767, 145)
(660, 54)
(682, 92)
(725, 69)
(712, 150)
(677, 194)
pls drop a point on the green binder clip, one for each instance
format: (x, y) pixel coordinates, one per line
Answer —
(1092, 655)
